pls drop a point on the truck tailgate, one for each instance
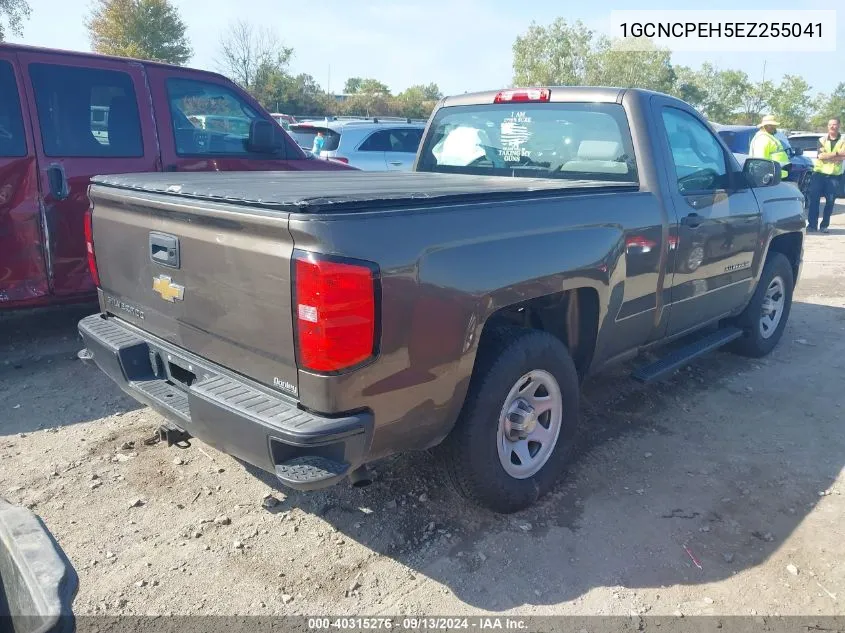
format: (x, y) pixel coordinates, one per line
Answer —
(214, 279)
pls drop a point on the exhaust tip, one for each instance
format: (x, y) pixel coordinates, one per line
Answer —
(360, 477)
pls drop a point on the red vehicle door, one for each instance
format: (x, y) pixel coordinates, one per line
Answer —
(90, 116)
(23, 269)
(203, 121)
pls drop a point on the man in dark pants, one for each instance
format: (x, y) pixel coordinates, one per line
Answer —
(826, 173)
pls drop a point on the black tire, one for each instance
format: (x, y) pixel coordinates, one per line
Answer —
(470, 455)
(753, 343)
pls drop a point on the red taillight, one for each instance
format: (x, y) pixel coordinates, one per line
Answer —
(89, 247)
(340, 159)
(335, 311)
(525, 94)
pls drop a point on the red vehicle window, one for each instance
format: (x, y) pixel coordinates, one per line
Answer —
(12, 137)
(86, 112)
(208, 118)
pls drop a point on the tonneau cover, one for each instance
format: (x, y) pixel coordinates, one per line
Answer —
(315, 192)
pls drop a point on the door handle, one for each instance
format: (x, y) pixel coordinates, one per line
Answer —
(58, 181)
(395, 163)
(164, 249)
(693, 220)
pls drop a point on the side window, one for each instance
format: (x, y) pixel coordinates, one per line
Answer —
(12, 141)
(405, 140)
(208, 118)
(698, 157)
(378, 142)
(86, 112)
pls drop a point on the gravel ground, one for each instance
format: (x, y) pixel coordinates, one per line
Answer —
(715, 492)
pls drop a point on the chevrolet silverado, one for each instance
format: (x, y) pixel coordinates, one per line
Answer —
(311, 323)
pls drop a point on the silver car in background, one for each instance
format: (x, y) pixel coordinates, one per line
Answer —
(808, 142)
(377, 144)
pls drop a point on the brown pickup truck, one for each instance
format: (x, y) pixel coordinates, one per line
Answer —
(311, 323)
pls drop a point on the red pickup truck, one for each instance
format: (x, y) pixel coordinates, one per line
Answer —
(67, 116)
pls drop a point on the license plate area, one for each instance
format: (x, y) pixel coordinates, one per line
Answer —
(174, 370)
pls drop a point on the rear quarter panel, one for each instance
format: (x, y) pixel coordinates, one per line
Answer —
(446, 270)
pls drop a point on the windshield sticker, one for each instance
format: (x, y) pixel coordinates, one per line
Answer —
(514, 134)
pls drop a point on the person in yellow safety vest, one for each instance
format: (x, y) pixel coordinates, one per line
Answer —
(766, 145)
(826, 173)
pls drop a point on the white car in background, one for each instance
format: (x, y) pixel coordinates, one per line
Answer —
(376, 144)
(809, 143)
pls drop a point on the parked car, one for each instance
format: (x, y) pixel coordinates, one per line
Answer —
(65, 116)
(808, 142)
(738, 139)
(457, 306)
(367, 144)
(285, 120)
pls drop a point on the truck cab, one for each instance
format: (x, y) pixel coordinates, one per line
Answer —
(66, 116)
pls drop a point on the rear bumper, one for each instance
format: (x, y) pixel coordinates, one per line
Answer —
(304, 450)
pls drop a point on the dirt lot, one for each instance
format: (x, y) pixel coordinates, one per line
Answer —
(717, 492)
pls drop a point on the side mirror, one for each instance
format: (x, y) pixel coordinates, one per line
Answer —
(264, 137)
(760, 172)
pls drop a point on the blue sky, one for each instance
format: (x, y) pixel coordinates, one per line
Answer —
(462, 45)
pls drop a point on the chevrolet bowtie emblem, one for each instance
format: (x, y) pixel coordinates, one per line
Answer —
(169, 291)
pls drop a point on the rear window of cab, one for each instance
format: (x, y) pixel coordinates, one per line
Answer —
(589, 141)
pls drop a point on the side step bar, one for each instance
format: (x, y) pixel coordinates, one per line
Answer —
(684, 355)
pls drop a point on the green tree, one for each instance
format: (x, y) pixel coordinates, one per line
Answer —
(14, 12)
(558, 54)
(146, 29)
(724, 92)
(564, 54)
(733, 88)
(826, 106)
(370, 105)
(352, 85)
(631, 64)
(417, 102)
(755, 103)
(791, 102)
(689, 87)
(372, 87)
(371, 98)
(295, 95)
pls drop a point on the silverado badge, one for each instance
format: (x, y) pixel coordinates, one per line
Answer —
(169, 291)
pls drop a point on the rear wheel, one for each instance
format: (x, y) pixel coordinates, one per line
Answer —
(765, 317)
(517, 427)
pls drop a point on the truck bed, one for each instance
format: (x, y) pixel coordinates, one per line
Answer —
(321, 192)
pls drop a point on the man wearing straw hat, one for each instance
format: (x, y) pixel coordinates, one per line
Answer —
(766, 145)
